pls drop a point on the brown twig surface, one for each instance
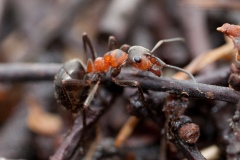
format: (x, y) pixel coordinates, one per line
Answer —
(24, 72)
(71, 143)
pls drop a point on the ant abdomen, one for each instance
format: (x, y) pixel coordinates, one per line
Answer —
(70, 86)
(74, 69)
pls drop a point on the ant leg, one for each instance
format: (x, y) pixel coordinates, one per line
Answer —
(125, 48)
(91, 95)
(83, 112)
(69, 86)
(130, 83)
(165, 41)
(87, 41)
(112, 43)
(176, 68)
(90, 66)
(88, 101)
(74, 83)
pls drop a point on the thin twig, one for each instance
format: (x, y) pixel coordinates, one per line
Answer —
(126, 131)
(22, 72)
(186, 88)
(37, 72)
(72, 142)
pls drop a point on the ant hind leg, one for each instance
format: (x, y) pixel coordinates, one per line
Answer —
(88, 101)
(87, 42)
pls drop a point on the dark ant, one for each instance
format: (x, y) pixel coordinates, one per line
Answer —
(76, 84)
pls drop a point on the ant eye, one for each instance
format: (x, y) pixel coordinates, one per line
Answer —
(137, 59)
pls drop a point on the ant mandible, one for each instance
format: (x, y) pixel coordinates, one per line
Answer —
(75, 84)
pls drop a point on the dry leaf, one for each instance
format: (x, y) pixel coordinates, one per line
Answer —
(42, 122)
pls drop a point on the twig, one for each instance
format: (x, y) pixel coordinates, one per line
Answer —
(81, 136)
(126, 131)
(186, 88)
(71, 143)
(37, 72)
(22, 72)
(190, 151)
(219, 77)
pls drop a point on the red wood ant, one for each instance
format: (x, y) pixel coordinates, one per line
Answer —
(76, 84)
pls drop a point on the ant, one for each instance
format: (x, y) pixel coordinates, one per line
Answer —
(76, 84)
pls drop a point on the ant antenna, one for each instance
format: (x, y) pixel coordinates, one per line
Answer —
(167, 65)
(176, 68)
(165, 41)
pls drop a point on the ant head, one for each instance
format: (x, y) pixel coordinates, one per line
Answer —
(141, 58)
(138, 57)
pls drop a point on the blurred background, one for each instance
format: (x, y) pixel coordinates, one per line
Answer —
(49, 31)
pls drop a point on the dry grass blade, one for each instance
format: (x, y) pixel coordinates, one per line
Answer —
(199, 62)
(126, 131)
(42, 122)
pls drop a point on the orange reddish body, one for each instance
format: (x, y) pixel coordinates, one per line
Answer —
(114, 59)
